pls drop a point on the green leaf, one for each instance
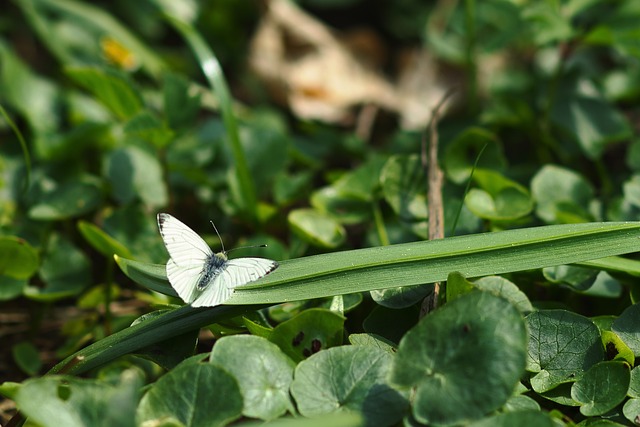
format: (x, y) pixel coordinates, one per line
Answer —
(27, 357)
(148, 127)
(18, 259)
(194, 394)
(434, 359)
(264, 374)
(500, 199)
(35, 97)
(616, 349)
(11, 288)
(68, 200)
(529, 418)
(602, 387)
(101, 241)
(579, 278)
(457, 285)
(404, 187)
(113, 89)
(348, 379)
(561, 195)
(634, 384)
(502, 287)
(180, 106)
(562, 345)
(548, 25)
(592, 121)
(66, 401)
(626, 326)
(308, 332)
(462, 153)
(401, 297)
(631, 410)
(135, 173)
(317, 228)
(361, 184)
(373, 340)
(346, 209)
(65, 270)
(632, 191)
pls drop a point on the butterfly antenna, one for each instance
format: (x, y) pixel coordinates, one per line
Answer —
(221, 242)
(247, 247)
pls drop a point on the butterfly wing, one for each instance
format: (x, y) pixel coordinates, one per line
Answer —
(188, 252)
(237, 272)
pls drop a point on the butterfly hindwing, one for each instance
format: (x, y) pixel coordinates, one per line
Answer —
(236, 272)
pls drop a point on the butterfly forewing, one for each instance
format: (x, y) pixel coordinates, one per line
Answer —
(183, 244)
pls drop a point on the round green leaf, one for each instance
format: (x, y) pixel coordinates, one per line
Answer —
(11, 288)
(528, 418)
(502, 287)
(372, 340)
(18, 259)
(195, 394)
(65, 270)
(308, 332)
(72, 402)
(634, 384)
(68, 200)
(508, 204)
(135, 173)
(348, 379)
(264, 374)
(631, 410)
(346, 209)
(462, 153)
(317, 228)
(27, 357)
(401, 297)
(561, 195)
(626, 326)
(463, 360)
(404, 187)
(148, 127)
(562, 345)
(602, 387)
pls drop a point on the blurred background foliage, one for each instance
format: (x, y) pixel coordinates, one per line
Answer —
(109, 117)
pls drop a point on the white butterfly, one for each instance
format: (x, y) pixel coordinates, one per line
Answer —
(199, 276)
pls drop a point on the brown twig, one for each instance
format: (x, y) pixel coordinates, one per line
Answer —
(434, 193)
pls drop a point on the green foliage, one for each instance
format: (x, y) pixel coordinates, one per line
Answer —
(109, 114)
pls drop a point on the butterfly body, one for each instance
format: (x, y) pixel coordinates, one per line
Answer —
(201, 277)
(214, 265)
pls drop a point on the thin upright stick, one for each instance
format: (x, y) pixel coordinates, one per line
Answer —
(429, 157)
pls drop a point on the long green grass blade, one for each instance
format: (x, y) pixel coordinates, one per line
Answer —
(409, 264)
(139, 336)
(213, 72)
(23, 145)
